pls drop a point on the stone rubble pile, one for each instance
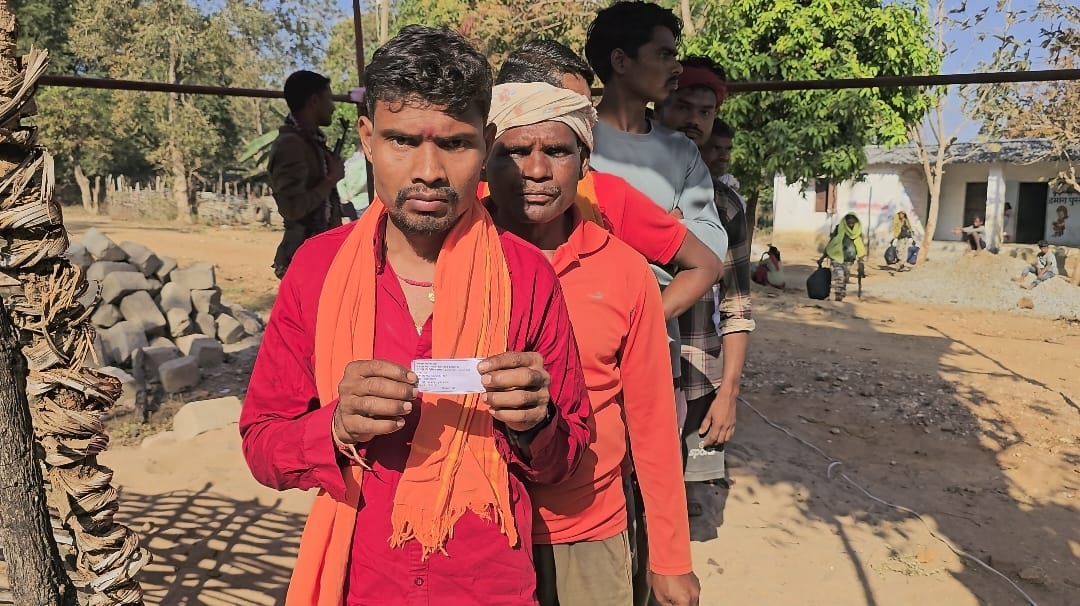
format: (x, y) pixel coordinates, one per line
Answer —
(160, 322)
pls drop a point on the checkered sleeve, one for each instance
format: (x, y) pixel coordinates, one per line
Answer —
(733, 301)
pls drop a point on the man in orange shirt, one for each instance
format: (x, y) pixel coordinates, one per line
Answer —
(612, 202)
(541, 152)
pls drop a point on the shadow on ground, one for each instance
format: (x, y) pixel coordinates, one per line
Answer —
(210, 549)
(914, 422)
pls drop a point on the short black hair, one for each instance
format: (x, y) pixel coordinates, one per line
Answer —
(722, 129)
(303, 85)
(1043, 243)
(543, 61)
(701, 61)
(626, 25)
(431, 66)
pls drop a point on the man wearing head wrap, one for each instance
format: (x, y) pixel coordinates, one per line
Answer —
(582, 553)
(716, 330)
(622, 209)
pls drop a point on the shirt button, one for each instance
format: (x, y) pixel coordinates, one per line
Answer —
(419, 581)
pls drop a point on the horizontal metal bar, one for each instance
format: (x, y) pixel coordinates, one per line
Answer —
(164, 87)
(1048, 75)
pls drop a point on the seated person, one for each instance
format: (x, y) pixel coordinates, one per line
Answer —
(974, 234)
(1044, 267)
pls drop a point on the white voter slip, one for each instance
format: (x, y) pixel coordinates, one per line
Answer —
(448, 376)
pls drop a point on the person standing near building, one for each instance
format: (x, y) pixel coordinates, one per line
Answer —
(903, 237)
(845, 247)
(303, 171)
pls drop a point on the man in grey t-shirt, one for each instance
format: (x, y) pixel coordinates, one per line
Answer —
(632, 48)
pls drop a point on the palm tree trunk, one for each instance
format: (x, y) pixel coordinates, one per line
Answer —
(35, 571)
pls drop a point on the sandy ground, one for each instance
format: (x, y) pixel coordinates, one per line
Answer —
(968, 417)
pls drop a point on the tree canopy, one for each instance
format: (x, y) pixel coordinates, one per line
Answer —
(186, 138)
(1048, 110)
(813, 134)
(193, 139)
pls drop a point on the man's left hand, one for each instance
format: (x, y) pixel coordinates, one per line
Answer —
(681, 590)
(719, 423)
(517, 388)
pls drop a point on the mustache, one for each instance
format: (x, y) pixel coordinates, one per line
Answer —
(554, 191)
(449, 193)
(691, 130)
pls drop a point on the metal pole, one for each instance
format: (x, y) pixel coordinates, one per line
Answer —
(1046, 75)
(1049, 75)
(361, 109)
(164, 87)
(358, 31)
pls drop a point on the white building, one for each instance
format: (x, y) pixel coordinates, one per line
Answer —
(1006, 183)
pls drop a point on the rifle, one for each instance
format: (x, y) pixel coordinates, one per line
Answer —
(862, 274)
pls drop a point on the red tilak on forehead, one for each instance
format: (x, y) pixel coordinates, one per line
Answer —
(427, 133)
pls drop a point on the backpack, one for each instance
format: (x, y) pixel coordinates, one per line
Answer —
(819, 283)
(913, 254)
(892, 257)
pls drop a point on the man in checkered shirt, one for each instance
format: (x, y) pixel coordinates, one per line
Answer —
(716, 331)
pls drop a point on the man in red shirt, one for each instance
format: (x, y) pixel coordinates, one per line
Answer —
(541, 151)
(422, 497)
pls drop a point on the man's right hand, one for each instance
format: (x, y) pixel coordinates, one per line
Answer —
(681, 590)
(374, 397)
(335, 168)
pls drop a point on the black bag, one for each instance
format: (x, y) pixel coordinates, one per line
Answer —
(819, 283)
(892, 257)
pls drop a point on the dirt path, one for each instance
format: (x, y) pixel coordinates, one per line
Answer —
(969, 417)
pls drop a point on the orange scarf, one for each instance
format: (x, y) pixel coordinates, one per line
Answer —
(453, 465)
(586, 201)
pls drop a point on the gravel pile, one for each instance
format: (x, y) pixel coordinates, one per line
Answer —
(981, 281)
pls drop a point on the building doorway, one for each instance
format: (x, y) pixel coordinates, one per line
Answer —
(975, 202)
(1031, 213)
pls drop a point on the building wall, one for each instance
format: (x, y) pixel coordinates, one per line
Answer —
(953, 187)
(875, 200)
(889, 188)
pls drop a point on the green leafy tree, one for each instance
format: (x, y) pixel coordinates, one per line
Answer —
(498, 26)
(191, 138)
(45, 24)
(816, 134)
